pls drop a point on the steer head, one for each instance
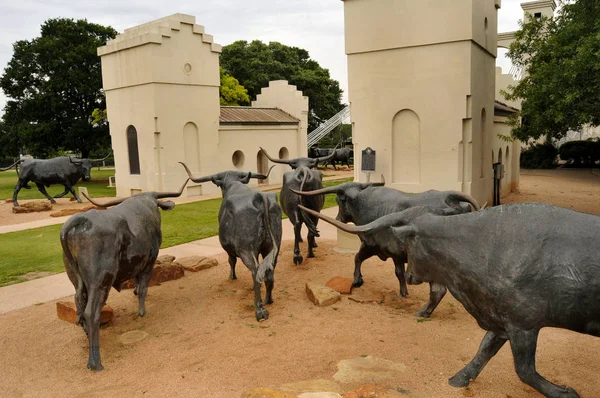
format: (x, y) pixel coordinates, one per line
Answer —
(298, 162)
(163, 204)
(226, 179)
(85, 166)
(346, 197)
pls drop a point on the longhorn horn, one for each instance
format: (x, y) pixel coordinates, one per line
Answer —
(11, 166)
(328, 157)
(262, 176)
(322, 191)
(199, 179)
(280, 161)
(162, 195)
(74, 160)
(107, 204)
(383, 222)
(464, 197)
(103, 159)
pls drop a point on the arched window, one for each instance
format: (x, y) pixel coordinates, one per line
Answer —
(284, 153)
(132, 150)
(238, 159)
(191, 147)
(406, 147)
(500, 155)
(262, 165)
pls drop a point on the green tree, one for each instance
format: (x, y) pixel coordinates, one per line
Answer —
(254, 64)
(561, 57)
(54, 83)
(231, 91)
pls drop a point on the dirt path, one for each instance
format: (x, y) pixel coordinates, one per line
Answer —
(203, 340)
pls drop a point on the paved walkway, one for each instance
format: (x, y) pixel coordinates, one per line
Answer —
(61, 220)
(21, 295)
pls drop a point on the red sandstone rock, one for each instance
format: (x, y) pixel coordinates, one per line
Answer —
(340, 284)
(321, 295)
(69, 212)
(197, 263)
(32, 207)
(67, 311)
(160, 274)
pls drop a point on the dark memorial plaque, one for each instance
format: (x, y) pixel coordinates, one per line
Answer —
(368, 160)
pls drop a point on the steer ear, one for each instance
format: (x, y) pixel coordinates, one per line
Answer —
(166, 204)
(405, 232)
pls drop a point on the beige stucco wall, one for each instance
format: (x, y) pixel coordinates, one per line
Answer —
(162, 77)
(419, 75)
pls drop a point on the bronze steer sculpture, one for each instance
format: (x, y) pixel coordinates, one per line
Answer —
(301, 178)
(106, 248)
(45, 172)
(249, 225)
(515, 268)
(362, 203)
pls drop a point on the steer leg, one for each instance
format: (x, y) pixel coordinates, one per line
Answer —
(20, 184)
(399, 268)
(70, 188)
(489, 346)
(60, 195)
(311, 244)
(96, 299)
(42, 189)
(232, 262)
(269, 283)
(363, 253)
(141, 287)
(523, 345)
(436, 294)
(297, 229)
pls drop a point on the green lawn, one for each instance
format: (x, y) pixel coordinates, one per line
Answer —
(97, 187)
(39, 250)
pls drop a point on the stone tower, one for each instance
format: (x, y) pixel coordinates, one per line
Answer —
(162, 92)
(421, 77)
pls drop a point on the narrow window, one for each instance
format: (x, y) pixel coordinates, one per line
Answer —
(132, 149)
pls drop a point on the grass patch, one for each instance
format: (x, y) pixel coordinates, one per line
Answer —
(98, 187)
(37, 250)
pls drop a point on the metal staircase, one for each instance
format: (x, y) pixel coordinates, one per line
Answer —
(317, 134)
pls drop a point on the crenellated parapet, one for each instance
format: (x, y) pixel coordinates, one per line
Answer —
(154, 32)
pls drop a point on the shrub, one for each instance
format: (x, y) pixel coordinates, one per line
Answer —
(539, 156)
(580, 152)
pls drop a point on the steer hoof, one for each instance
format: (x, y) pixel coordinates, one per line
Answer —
(357, 283)
(53, 201)
(311, 255)
(423, 314)
(79, 200)
(95, 366)
(459, 380)
(262, 314)
(297, 259)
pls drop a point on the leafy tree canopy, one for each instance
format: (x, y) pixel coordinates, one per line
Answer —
(561, 57)
(254, 64)
(54, 83)
(231, 91)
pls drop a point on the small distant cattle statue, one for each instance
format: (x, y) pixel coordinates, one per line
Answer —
(341, 155)
(301, 178)
(249, 225)
(362, 203)
(515, 268)
(45, 172)
(106, 248)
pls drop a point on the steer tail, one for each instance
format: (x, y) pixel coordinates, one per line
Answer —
(312, 228)
(268, 263)
(454, 198)
(64, 241)
(15, 165)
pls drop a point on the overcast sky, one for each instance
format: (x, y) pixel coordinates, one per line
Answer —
(315, 25)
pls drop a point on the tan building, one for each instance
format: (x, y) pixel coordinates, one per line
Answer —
(162, 92)
(421, 89)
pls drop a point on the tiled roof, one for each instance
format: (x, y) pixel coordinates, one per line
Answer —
(501, 109)
(251, 115)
